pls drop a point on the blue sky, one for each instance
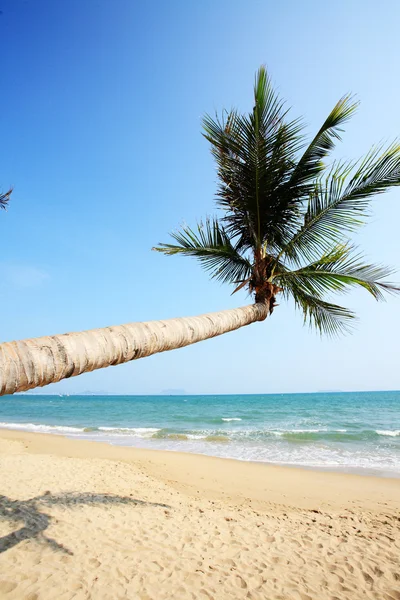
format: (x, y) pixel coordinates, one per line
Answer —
(100, 128)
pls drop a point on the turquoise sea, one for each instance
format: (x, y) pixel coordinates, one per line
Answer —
(340, 431)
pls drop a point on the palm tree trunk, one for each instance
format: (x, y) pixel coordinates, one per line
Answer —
(37, 362)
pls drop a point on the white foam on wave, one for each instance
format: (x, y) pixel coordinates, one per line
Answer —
(286, 431)
(393, 433)
(42, 428)
(227, 419)
(314, 456)
(131, 429)
(306, 431)
(142, 432)
(289, 431)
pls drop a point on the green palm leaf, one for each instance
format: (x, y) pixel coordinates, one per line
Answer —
(310, 164)
(4, 199)
(212, 246)
(255, 154)
(337, 271)
(327, 318)
(340, 203)
(376, 173)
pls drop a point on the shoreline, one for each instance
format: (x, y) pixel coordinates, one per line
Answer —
(88, 521)
(345, 470)
(353, 434)
(191, 472)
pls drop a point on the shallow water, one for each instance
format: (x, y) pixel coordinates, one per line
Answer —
(340, 431)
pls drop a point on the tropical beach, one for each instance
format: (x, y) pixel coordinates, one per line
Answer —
(225, 427)
(88, 520)
(109, 497)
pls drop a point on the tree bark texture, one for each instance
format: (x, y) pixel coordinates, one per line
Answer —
(32, 363)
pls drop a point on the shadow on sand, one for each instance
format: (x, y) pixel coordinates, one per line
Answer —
(35, 521)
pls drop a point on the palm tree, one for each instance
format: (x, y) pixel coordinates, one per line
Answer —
(285, 226)
(286, 213)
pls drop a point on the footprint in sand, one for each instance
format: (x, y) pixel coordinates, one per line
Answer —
(7, 586)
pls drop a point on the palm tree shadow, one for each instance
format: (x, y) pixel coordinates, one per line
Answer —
(35, 521)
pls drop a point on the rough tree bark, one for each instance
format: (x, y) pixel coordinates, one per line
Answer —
(37, 362)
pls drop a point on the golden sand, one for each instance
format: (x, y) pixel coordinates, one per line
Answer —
(81, 520)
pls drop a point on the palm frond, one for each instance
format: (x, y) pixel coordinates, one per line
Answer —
(5, 198)
(329, 217)
(327, 318)
(212, 246)
(377, 172)
(311, 163)
(337, 271)
(255, 155)
(337, 207)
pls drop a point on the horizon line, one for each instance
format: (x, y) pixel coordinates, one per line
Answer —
(207, 394)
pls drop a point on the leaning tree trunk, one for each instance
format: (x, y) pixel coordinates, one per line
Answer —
(37, 362)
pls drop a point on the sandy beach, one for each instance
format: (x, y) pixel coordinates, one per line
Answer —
(86, 520)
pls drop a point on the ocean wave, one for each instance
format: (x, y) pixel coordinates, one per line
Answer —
(162, 435)
(227, 419)
(281, 432)
(166, 434)
(217, 438)
(42, 428)
(325, 447)
(140, 432)
(131, 429)
(248, 434)
(393, 433)
(304, 432)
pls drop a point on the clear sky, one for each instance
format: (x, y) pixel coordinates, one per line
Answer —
(101, 106)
